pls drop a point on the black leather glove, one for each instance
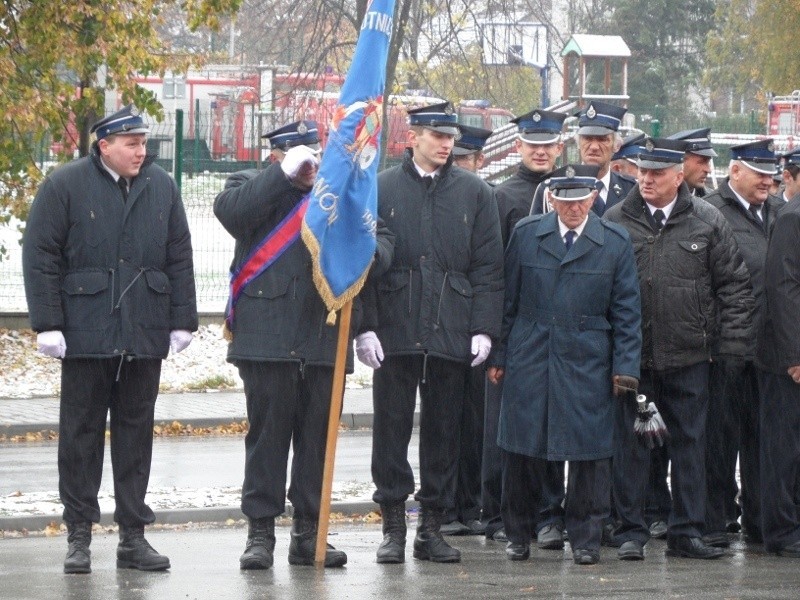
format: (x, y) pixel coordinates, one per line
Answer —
(625, 384)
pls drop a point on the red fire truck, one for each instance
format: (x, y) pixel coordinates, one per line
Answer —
(783, 114)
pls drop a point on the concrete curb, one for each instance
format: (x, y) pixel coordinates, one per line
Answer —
(182, 516)
(348, 421)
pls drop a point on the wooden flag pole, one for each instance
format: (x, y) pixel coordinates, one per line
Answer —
(337, 391)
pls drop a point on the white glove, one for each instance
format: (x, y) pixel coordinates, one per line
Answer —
(368, 349)
(179, 339)
(481, 346)
(52, 343)
(295, 158)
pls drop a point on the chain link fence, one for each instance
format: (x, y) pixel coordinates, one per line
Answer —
(214, 143)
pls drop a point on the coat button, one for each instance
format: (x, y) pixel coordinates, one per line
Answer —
(418, 344)
(80, 289)
(292, 352)
(260, 292)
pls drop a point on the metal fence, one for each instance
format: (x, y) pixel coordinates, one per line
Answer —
(196, 144)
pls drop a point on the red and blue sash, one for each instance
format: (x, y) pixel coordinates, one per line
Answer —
(264, 254)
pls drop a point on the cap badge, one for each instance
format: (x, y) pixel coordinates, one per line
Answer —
(771, 147)
(448, 110)
(591, 112)
(133, 111)
(570, 172)
(649, 145)
(536, 117)
(302, 129)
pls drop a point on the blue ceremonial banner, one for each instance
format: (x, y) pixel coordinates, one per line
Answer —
(341, 221)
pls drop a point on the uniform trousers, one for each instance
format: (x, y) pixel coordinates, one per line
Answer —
(467, 505)
(91, 388)
(286, 403)
(780, 460)
(492, 461)
(734, 430)
(394, 390)
(681, 396)
(587, 503)
(659, 499)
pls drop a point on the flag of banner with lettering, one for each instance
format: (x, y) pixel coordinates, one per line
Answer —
(340, 223)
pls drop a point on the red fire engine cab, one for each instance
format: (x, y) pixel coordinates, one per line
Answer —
(783, 114)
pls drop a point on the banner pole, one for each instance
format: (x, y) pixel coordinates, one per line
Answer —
(337, 393)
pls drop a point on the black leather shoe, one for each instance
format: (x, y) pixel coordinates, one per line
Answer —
(475, 526)
(608, 538)
(79, 557)
(133, 552)
(692, 547)
(303, 546)
(454, 528)
(631, 550)
(550, 537)
(717, 539)
(792, 550)
(733, 527)
(518, 551)
(498, 536)
(259, 550)
(658, 530)
(585, 557)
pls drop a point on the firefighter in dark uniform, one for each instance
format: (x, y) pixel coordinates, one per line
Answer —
(778, 362)
(539, 146)
(624, 160)
(464, 517)
(696, 168)
(694, 286)
(744, 200)
(436, 312)
(790, 173)
(571, 333)
(283, 349)
(697, 159)
(107, 261)
(598, 138)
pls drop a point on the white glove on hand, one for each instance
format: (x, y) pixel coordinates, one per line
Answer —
(179, 339)
(295, 158)
(481, 346)
(368, 349)
(52, 343)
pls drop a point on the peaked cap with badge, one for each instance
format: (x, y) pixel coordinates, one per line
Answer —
(540, 126)
(600, 118)
(472, 140)
(573, 183)
(697, 141)
(758, 156)
(437, 117)
(299, 133)
(126, 121)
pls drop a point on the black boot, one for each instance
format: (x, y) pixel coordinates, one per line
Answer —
(429, 543)
(133, 551)
(393, 547)
(303, 546)
(79, 557)
(258, 554)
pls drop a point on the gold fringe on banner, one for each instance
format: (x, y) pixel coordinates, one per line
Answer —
(333, 303)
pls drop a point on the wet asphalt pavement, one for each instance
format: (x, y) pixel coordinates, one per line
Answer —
(205, 566)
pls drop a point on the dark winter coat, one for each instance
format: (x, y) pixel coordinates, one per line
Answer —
(779, 338)
(280, 316)
(514, 198)
(751, 238)
(445, 283)
(571, 321)
(694, 283)
(115, 277)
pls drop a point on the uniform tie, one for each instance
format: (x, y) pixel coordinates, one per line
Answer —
(428, 179)
(569, 238)
(753, 208)
(123, 186)
(599, 205)
(659, 217)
